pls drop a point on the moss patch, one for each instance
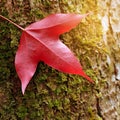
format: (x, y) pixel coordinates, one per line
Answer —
(51, 95)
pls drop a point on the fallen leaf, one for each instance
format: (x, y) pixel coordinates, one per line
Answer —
(40, 42)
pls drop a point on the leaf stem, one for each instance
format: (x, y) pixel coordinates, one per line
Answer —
(12, 22)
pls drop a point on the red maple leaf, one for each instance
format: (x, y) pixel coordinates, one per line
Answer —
(40, 42)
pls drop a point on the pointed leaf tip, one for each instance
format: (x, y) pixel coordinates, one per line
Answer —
(23, 87)
(88, 78)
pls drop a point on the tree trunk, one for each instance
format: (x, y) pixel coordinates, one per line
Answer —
(110, 17)
(52, 95)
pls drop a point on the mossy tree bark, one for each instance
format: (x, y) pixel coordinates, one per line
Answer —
(52, 95)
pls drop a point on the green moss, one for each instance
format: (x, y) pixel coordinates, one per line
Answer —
(93, 115)
(21, 112)
(50, 94)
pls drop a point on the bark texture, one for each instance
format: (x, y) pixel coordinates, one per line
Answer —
(110, 17)
(52, 95)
